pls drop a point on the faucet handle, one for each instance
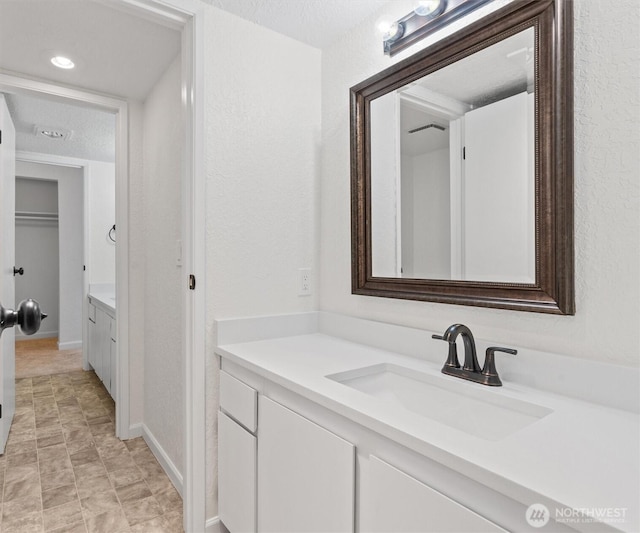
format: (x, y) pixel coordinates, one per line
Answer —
(452, 357)
(489, 370)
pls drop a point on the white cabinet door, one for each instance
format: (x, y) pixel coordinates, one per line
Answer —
(112, 362)
(306, 475)
(102, 326)
(394, 502)
(93, 337)
(237, 453)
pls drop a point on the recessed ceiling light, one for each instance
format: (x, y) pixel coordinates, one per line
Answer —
(62, 62)
(52, 132)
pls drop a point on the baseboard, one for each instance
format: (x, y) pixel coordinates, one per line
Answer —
(213, 525)
(135, 430)
(38, 335)
(174, 474)
(72, 345)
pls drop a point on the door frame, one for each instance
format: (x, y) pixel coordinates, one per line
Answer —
(19, 85)
(85, 167)
(186, 16)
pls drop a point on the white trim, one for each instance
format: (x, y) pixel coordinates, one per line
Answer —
(165, 462)
(213, 525)
(71, 345)
(194, 252)
(15, 84)
(39, 335)
(135, 430)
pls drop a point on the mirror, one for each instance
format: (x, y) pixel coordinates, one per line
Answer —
(462, 167)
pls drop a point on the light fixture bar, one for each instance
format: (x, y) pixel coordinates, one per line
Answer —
(416, 27)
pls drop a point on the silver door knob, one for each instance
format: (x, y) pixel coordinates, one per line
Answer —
(28, 316)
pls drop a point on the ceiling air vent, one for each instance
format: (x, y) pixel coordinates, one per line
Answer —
(57, 134)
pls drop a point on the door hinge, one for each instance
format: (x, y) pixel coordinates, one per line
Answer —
(0, 410)
(464, 152)
(0, 136)
(192, 282)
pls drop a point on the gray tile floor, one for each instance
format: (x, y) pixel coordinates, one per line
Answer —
(64, 471)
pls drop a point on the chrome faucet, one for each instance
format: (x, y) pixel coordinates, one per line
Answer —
(471, 370)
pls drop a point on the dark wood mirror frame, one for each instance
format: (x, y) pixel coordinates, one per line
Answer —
(553, 290)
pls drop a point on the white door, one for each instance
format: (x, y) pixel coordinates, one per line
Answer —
(499, 194)
(7, 257)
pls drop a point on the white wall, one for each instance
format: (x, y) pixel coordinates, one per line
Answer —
(262, 145)
(37, 246)
(431, 234)
(71, 250)
(101, 267)
(163, 141)
(607, 193)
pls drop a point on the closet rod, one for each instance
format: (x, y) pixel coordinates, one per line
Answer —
(28, 215)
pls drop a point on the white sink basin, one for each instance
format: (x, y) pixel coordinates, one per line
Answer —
(462, 405)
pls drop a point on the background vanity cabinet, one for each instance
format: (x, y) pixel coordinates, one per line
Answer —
(237, 455)
(102, 345)
(391, 500)
(306, 474)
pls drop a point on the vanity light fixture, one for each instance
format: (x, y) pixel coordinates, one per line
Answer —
(427, 17)
(62, 62)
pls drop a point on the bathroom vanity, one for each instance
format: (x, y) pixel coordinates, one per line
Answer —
(102, 336)
(323, 427)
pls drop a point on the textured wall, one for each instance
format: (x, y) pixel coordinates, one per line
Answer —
(163, 365)
(607, 136)
(263, 128)
(102, 216)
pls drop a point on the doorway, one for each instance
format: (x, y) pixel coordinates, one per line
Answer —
(186, 16)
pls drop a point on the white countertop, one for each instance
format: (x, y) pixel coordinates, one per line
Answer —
(105, 298)
(581, 456)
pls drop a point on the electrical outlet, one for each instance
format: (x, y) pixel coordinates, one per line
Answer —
(304, 284)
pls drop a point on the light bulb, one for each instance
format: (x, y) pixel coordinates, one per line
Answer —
(62, 62)
(427, 8)
(394, 32)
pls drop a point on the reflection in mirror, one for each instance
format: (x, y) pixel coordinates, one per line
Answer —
(452, 170)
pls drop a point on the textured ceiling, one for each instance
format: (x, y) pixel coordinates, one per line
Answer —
(116, 52)
(315, 22)
(501, 70)
(121, 54)
(92, 131)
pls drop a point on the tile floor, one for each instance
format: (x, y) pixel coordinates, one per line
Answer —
(37, 357)
(64, 471)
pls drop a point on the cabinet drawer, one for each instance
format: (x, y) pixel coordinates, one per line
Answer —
(92, 312)
(239, 401)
